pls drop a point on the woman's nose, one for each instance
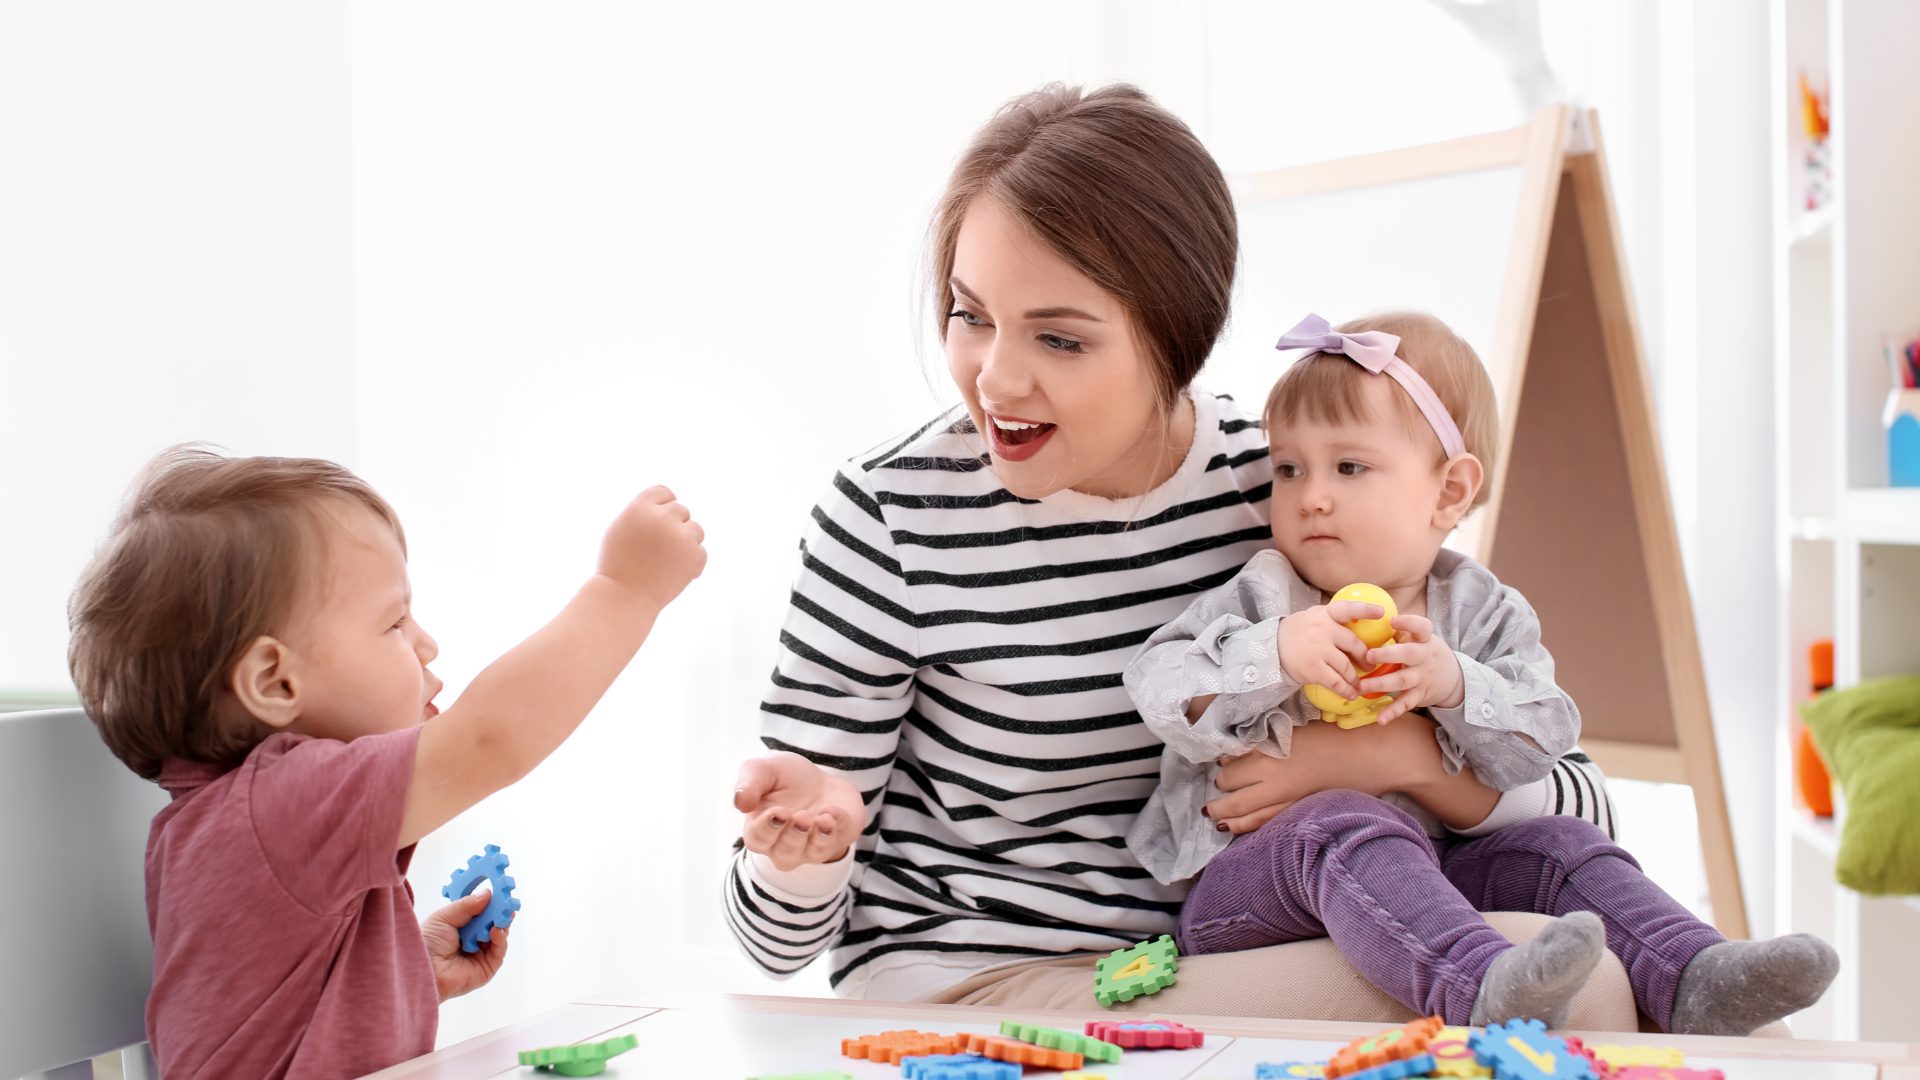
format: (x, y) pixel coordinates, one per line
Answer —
(1004, 377)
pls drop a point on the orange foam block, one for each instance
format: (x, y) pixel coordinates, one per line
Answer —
(1394, 1044)
(892, 1046)
(1020, 1053)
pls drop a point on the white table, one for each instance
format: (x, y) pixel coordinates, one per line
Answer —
(684, 1036)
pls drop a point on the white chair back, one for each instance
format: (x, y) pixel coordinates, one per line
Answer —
(73, 838)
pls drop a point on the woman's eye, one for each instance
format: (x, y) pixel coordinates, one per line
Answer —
(1060, 344)
(1351, 468)
(965, 316)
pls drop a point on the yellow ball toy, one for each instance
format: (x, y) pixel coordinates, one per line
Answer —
(1361, 711)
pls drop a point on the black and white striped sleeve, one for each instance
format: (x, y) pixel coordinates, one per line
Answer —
(842, 684)
(1575, 787)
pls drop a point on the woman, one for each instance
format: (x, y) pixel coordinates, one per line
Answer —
(956, 762)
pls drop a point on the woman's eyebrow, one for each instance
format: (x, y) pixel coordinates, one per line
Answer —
(1062, 313)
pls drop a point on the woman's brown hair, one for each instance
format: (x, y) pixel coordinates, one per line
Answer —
(1124, 192)
(208, 554)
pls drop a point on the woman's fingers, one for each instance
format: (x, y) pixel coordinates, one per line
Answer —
(1247, 823)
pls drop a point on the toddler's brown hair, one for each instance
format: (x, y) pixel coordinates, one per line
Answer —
(1327, 386)
(208, 554)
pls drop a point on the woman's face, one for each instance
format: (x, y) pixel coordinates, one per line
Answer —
(1049, 367)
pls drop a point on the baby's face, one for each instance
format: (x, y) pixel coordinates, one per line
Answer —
(360, 660)
(1358, 501)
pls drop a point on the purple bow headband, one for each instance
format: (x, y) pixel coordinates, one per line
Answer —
(1373, 350)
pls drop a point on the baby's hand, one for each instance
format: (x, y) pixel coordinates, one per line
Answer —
(1316, 646)
(456, 972)
(1429, 676)
(653, 547)
(796, 812)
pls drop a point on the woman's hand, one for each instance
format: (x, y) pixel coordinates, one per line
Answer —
(456, 972)
(1373, 760)
(1316, 646)
(796, 812)
(1429, 675)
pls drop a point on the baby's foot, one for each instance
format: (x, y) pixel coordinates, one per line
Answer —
(1737, 987)
(1537, 979)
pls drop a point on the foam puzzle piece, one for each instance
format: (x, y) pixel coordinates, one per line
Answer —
(579, 1059)
(1290, 1070)
(1522, 1050)
(1418, 1065)
(957, 1067)
(1452, 1057)
(1394, 1044)
(1054, 1039)
(490, 866)
(1624, 1057)
(891, 1046)
(1020, 1053)
(1600, 1068)
(1146, 968)
(1083, 1076)
(1655, 1072)
(1147, 1034)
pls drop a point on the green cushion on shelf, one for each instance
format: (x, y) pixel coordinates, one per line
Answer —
(1870, 737)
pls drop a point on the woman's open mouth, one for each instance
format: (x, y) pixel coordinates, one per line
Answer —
(1015, 439)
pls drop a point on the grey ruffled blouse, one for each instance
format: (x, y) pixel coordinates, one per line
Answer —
(1224, 644)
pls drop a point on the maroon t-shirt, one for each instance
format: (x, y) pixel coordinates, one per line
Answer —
(284, 939)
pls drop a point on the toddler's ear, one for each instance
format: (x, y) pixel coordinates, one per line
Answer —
(263, 682)
(1460, 481)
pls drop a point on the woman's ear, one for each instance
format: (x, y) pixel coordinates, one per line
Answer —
(1460, 481)
(265, 684)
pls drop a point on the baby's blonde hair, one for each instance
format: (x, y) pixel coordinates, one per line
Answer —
(1327, 386)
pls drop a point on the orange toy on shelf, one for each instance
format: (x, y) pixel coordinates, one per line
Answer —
(1809, 770)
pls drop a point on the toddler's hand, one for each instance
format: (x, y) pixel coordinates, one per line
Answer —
(796, 812)
(1316, 646)
(653, 547)
(1429, 676)
(456, 972)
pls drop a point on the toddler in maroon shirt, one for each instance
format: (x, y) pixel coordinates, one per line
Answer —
(245, 638)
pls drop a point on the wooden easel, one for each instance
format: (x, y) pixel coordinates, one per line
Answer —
(1579, 518)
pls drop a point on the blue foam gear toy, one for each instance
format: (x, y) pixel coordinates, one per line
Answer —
(957, 1067)
(1522, 1050)
(490, 867)
(1290, 1070)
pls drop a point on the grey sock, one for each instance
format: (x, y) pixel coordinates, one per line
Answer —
(1536, 980)
(1737, 987)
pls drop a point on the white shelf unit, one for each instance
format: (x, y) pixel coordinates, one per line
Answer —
(1847, 548)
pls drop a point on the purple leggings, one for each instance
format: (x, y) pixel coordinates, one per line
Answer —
(1405, 909)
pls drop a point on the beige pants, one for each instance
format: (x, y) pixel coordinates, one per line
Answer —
(1302, 980)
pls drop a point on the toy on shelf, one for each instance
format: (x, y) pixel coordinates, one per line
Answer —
(1086, 1046)
(1147, 1034)
(1522, 1050)
(891, 1046)
(1290, 1070)
(1453, 1057)
(1146, 968)
(1901, 414)
(1000, 1048)
(1364, 709)
(958, 1067)
(489, 867)
(1810, 778)
(1818, 176)
(580, 1059)
(1405, 1043)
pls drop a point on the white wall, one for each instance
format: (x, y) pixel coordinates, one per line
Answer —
(515, 261)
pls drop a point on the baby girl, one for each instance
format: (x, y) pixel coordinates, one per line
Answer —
(1381, 440)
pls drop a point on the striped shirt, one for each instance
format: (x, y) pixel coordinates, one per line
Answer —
(954, 651)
